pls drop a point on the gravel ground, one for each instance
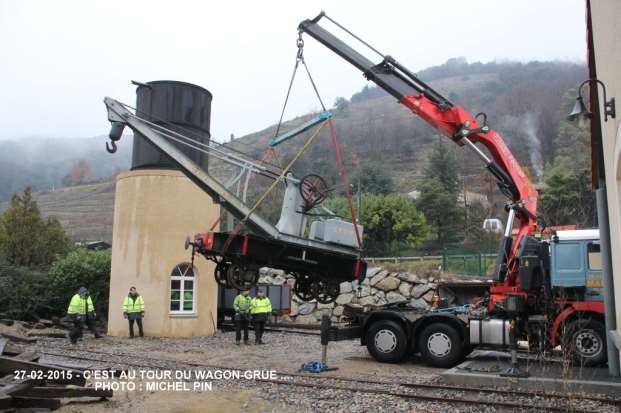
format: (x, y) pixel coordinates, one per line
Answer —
(284, 352)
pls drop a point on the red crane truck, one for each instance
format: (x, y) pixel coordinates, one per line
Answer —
(546, 292)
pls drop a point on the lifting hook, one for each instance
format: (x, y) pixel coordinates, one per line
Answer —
(116, 131)
(111, 147)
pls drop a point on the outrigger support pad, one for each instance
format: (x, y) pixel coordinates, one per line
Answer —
(322, 117)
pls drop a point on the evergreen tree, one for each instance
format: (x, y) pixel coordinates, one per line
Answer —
(567, 197)
(26, 238)
(439, 191)
(54, 240)
(373, 180)
(443, 167)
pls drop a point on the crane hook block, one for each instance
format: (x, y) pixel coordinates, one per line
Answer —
(322, 117)
(111, 147)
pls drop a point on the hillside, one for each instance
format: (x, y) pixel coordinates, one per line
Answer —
(85, 211)
(526, 102)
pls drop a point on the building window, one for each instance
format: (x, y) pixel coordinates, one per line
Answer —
(595, 257)
(182, 290)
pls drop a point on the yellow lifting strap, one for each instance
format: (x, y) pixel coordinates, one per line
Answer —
(274, 184)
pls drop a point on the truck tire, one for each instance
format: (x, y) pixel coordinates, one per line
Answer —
(440, 345)
(586, 341)
(387, 341)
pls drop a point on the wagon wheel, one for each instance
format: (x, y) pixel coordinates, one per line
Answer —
(220, 272)
(314, 191)
(304, 287)
(326, 291)
(241, 277)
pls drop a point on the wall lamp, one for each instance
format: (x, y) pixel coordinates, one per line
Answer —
(581, 112)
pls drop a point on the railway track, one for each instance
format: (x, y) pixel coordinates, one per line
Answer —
(309, 331)
(555, 401)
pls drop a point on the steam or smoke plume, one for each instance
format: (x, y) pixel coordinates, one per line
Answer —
(522, 132)
(534, 144)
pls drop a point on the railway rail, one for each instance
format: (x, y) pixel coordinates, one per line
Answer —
(555, 401)
(310, 330)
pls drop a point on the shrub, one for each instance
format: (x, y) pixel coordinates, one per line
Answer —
(81, 267)
(24, 293)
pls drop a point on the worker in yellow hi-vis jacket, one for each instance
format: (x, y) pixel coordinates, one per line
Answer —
(261, 308)
(133, 310)
(81, 311)
(242, 306)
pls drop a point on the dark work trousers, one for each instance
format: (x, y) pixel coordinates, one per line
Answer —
(259, 326)
(241, 322)
(78, 325)
(131, 327)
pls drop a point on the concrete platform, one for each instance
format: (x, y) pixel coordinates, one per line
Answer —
(483, 368)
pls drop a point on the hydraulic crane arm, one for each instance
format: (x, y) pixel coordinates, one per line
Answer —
(453, 122)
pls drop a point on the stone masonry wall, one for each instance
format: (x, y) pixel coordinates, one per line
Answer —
(378, 288)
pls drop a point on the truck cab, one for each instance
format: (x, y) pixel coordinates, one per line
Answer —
(576, 265)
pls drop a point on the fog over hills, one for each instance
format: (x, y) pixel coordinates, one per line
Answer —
(43, 162)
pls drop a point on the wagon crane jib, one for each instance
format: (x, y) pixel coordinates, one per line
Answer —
(329, 255)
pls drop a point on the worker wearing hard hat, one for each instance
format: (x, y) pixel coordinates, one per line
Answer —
(261, 308)
(133, 310)
(81, 311)
(242, 306)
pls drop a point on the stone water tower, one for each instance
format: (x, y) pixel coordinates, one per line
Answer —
(155, 208)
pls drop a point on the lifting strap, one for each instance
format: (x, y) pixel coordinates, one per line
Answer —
(343, 174)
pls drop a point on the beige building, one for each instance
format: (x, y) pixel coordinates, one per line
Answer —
(154, 211)
(605, 64)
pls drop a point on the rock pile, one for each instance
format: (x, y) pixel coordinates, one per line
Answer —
(378, 288)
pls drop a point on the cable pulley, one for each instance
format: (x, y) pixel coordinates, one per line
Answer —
(314, 191)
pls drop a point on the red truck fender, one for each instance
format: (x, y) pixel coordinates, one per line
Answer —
(572, 308)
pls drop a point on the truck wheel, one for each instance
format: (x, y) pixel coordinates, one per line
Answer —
(440, 345)
(586, 341)
(386, 341)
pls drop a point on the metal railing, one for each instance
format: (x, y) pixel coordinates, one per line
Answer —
(468, 264)
(397, 260)
(471, 264)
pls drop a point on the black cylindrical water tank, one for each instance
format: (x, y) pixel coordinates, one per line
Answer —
(179, 106)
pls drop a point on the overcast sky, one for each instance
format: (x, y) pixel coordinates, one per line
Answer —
(60, 58)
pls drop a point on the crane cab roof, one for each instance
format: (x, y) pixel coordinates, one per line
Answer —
(577, 235)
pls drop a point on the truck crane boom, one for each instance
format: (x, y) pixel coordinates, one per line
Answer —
(457, 124)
